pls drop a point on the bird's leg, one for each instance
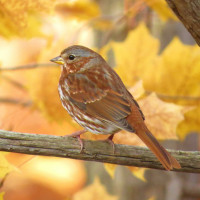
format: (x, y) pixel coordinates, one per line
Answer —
(110, 140)
(77, 135)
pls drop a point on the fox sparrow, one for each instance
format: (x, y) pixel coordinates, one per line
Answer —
(96, 98)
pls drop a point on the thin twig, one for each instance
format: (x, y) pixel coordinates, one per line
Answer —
(15, 101)
(13, 82)
(29, 66)
(176, 97)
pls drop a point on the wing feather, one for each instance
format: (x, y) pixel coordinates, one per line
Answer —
(113, 111)
(105, 103)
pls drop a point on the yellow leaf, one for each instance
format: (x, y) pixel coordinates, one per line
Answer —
(176, 79)
(94, 191)
(136, 53)
(191, 123)
(22, 18)
(138, 172)
(79, 9)
(2, 195)
(137, 90)
(177, 71)
(162, 8)
(5, 166)
(110, 168)
(152, 198)
(162, 118)
(45, 93)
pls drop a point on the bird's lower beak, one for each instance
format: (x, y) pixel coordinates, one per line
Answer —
(58, 60)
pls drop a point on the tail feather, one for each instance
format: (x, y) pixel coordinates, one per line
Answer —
(167, 160)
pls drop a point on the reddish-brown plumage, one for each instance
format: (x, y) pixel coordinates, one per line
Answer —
(96, 98)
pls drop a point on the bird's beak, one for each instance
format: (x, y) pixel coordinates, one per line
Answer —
(59, 60)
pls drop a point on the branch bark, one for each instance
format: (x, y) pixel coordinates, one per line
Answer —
(188, 13)
(99, 151)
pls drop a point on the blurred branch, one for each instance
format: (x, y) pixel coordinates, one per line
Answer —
(188, 13)
(15, 83)
(99, 151)
(136, 8)
(29, 66)
(175, 97)
(15, 101)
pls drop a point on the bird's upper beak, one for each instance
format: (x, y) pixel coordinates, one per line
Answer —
(58, 60)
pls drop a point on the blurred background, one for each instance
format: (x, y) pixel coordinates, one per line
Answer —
(154, 55)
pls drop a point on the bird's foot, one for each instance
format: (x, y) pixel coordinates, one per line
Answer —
(110, 140)
(77, 135)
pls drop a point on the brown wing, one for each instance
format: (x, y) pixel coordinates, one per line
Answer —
(113, 108)
(102, 102)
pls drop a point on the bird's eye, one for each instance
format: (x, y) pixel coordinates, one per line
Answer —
(71, 57)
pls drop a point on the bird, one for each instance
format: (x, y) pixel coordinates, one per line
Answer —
(97, 99)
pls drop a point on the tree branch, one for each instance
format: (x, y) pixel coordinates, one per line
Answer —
(28, 66)
(188, 13)
(15, 101)
(99, 151)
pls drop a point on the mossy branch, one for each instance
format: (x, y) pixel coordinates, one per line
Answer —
(99, 151)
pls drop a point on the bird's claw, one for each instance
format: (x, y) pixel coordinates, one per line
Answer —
(77, 135)
(110, 140)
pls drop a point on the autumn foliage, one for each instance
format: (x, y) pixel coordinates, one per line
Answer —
(164, 81)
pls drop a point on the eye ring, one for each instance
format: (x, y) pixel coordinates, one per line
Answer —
(71, 57)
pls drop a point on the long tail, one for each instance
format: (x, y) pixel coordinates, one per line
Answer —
(167, 160)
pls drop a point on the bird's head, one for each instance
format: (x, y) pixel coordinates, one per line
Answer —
(77, 59)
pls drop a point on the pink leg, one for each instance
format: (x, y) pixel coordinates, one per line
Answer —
(109, 139)
(77, 135)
